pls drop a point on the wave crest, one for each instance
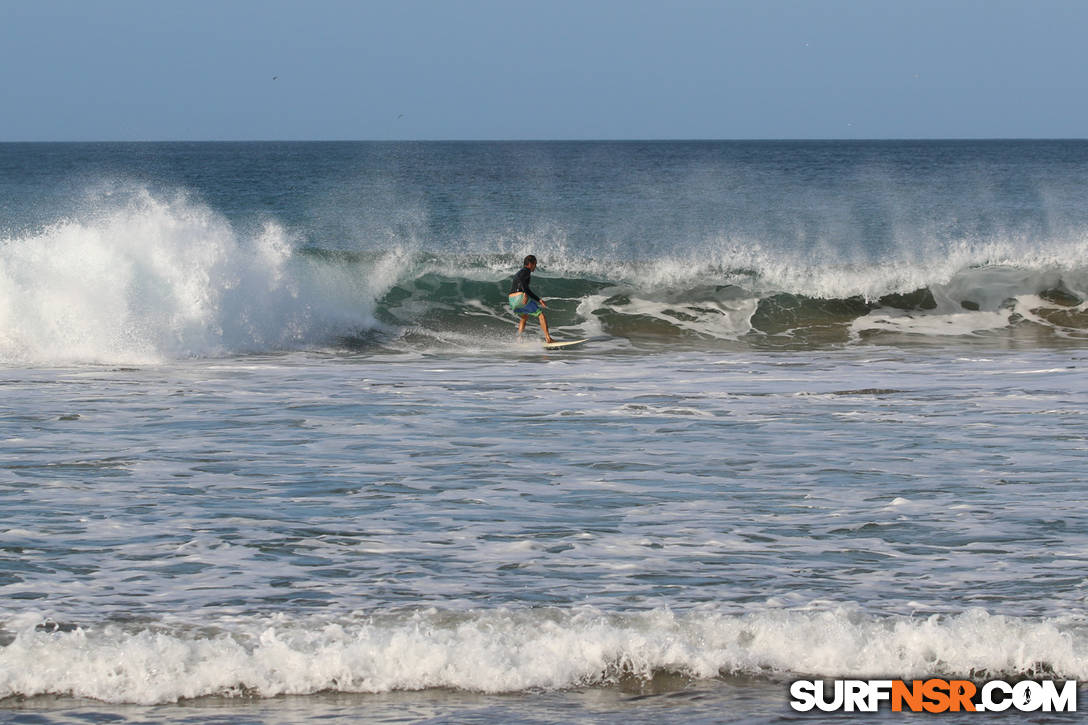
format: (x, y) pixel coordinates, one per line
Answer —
(519, 650)
(148, 279)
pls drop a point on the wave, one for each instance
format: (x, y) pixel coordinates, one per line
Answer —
(148, 279)
(654, 304)
(518, 650)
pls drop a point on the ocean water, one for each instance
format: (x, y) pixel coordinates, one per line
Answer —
(271, 451)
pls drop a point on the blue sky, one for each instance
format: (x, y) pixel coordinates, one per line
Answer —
(541, 69)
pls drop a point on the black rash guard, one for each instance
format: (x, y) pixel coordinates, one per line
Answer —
(521, 283)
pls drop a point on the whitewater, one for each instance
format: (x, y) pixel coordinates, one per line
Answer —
(270, 450)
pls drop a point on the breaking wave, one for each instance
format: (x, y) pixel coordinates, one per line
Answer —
(153, 279)
(150, 279)
(517, 650)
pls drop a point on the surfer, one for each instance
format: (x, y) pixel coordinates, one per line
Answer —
(524, 302)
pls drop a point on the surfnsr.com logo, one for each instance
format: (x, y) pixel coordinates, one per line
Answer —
(933, 695)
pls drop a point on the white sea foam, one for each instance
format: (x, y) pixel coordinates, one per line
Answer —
(985, 270)
(147, 279)
(518, 650)
(932, 325)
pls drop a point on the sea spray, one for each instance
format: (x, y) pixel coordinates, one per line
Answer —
(150, 278)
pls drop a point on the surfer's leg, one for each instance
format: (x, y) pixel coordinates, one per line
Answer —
(521, 324)
(544, 327)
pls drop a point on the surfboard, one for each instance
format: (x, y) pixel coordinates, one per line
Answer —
(564, 343)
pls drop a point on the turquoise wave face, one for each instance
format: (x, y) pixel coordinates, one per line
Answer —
(988, 303)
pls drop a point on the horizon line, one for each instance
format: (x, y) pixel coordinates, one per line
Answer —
(767, 139)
